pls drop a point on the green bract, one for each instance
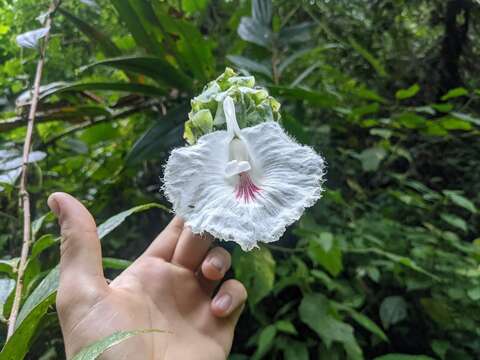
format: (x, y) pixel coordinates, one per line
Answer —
(253, 105)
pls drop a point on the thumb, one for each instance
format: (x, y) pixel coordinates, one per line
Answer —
(81, 254)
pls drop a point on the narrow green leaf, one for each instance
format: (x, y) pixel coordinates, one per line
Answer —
(117, 87)
(368, 324)
(43, 243)
(136, 27)
(115, 264)
(106, 45)
(17, 346)
(43, 296)
(96, 349)
(112, 223)
(153, 67)
(455, 221)
(367, 55)
(297, 33)
(460, 200)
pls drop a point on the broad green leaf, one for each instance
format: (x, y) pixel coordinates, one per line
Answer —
(367, 55)
(411, 120)
(96, 349)
(392, 310)
(286, 327)
(265, 341)
(455, 221)
(474, 293)
(9, 266)
(169, 128)
(315, 311)
(154, 67)
(106, 45)
(460, 200)
(255, 32)
(403, 357)
(250, 65)
(112, 223)
(440, 348)
(325, 251)
(407, 93)
(295, 350)
(453, 123)
(438, 310)
(454, 93)
(442, 107)
(256, 270)
(371, 158)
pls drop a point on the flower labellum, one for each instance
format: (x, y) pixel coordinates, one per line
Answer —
(243, 184)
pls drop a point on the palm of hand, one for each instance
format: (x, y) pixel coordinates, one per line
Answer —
(169, 288)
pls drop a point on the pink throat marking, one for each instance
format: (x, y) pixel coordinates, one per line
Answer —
(246, 189)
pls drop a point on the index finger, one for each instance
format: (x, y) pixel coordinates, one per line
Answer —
(164, 244)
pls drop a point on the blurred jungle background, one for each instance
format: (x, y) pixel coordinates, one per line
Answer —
(386, 265)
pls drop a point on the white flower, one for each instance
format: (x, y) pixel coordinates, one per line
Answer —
(245, 185)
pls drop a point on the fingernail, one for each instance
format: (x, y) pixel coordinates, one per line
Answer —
(216, 263)
(53, 204)
(223, 302)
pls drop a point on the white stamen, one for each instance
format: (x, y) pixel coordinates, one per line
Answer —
(232, 124)
(238, 152)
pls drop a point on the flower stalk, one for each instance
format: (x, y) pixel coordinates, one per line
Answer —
(24, 195)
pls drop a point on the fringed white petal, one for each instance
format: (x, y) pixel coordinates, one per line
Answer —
(286, 178)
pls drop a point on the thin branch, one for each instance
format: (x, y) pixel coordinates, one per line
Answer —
(24, 196)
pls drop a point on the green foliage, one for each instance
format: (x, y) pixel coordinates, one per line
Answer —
(385, 266)
(96, 349)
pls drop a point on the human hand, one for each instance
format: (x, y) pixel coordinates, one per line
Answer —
(169, 287)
